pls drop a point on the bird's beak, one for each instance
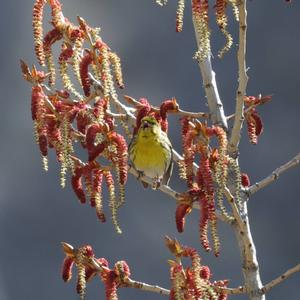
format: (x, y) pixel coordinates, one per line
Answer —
(145, 125)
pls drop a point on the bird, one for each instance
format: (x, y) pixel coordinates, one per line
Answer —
(150, 152)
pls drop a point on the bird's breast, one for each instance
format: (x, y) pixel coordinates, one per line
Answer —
(151, 158)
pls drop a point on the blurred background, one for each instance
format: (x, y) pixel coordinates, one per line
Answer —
(36, 214)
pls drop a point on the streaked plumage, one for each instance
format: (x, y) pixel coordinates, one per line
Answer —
(150, 152)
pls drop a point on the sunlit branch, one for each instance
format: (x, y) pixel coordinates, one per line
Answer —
(210, 85)
(130, 100)
(231, 291)
(267, 287)
(128, 282)
(274, 175)
(243, 80)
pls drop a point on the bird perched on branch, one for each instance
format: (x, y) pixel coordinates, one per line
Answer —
(150, 152)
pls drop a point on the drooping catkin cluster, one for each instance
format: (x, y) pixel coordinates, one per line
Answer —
(61, 120)
(143, 109)
(161, 2)
(207, 184)
(200, 19)
(74, 38)
(254, 122)
(200, 12)
(37, 22)
(88, 266)
(194, 281)
(179, 15)
(222, 22)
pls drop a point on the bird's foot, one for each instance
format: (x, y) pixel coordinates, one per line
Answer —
(156, 183)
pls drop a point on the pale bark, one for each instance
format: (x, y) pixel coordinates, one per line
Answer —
(241, 227)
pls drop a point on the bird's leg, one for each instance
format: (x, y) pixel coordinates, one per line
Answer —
(141, 174)
(156, 183)
(139, 178)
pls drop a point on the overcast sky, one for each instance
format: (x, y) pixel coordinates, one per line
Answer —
(36, 214)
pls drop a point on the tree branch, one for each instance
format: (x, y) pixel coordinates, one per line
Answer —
(274, 175)
(211, 90)
(231, 291)
(267, 287)
(132, 283)
(243, 80)
(146, 287)
(169, 191)
(92, 262)
(179, 112)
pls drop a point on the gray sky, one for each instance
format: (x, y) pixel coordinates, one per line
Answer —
(36, 214)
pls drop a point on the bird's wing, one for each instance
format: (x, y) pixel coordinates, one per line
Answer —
(168, 173)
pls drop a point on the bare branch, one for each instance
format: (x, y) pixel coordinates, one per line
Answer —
(146, 287)
(128, 282)
(168, 190)
(243, 80)
(231, 291)
(180, 112)
(267, 287)
(132, 283)
(245, 111)
(274, 175)
(211, 90)
(164, 188)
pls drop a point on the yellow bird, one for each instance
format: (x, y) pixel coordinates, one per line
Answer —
(150, 152)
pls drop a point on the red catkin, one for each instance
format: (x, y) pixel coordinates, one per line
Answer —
(143, 110)
(91, 133)
(122, 158)
(89, 252)
(205, 273)
(84, 72)
(189, 155)
(200, 7)
(165, 107)
(65, 54)
(251, 128)
(77, 184)
(184, 126)
(50, 38)
(181, 211)
(97, 182)
(100, 106)
(82, 120)
(67, 269)
(37, 101)
(43, 143)
(245, 180)
(258, 123)
(111, 286)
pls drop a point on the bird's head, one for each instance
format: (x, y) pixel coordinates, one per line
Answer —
(149, 127)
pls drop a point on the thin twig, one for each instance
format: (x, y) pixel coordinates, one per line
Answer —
(267, 287)
(146, 287)
(245, 111)
(92, 262)
(128, 282)
(179, 112)
(274, 175)
(117, 116)
(164, 188)
(262, 100)
(169, 191)
(132, 283)
(243, 80)
(231, 291)
(234, 208)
